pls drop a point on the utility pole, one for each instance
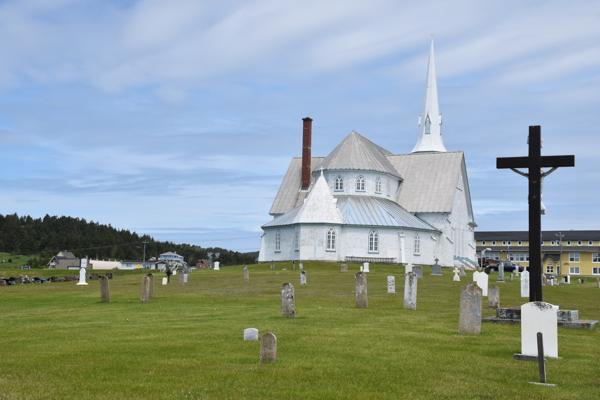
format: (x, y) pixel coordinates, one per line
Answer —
(560, 238)
(145, 249)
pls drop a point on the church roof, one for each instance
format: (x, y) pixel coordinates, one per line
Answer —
(363, 211)
(320, 206)
(429, 180)
(358, 153)
(289, 195)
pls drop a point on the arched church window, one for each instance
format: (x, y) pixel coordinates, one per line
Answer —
(417, 243)
(360, 184)
(278, 240)
(331, 239)
(427, 124)
(377, 185)
(339, 183)
(374, 241)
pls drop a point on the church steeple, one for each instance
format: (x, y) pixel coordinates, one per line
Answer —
(430, 122)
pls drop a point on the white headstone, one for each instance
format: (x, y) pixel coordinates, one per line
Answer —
(366, 267)
(217, 266)
(456, 277)
(391, 284)
(482, 281)
(361, 269)
(165, 281)
(185, 278)
(525, 284)
(407, 268)
(252, 334)
(538, 316)
(174, 272)
(82, 277)
(410, 291)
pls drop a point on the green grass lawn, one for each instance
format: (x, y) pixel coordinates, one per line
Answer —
(60, 342)
(17, 261)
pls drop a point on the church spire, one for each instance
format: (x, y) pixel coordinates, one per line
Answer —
(430, 122)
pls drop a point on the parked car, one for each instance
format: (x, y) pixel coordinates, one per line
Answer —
(508, 267)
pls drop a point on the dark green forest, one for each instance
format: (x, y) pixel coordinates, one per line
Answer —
(43, 238)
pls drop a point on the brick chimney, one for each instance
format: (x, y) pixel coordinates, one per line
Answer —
(306, 152)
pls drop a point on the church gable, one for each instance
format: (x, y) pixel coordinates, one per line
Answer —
(289, 195)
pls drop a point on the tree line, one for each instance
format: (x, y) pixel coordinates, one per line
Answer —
(43, 238)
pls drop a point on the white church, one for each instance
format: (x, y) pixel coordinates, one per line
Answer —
(362, 203)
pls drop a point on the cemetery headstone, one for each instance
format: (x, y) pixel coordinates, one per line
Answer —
(104, 290)
(175, 272)
(151, 294)
(470, 309)
(302, 278)
(181, 280)
(251, 334)
(511, 277)
(186, 270)
(109, 275)
(410, 291)
(418, 271)
(185, 278)
(273, 266)
(19, 280)
(144, 290)
(500, 273)
(482, 281)
(165, 281)
(246, 274)
(456, 277)
(462, 271)
(538, 316)
(293, 265)
(525, 284)
(391, 284)
(408, 268)
(82, 277)
(366, 267)
(217, 266)
(344, 268)
(362, 297)
(436, 269)
(361, 268)
(268, 348)
(288, 301)
(494, 296)
(301, 266)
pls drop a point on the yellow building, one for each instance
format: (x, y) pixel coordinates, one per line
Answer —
(563, 252)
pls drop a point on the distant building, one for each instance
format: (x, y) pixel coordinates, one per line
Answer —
(137, 264)
(171, 258)
(563, 252)
(204, 264)
(101, 264)
(64, 260)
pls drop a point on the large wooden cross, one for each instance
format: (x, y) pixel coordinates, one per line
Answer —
(535, 162)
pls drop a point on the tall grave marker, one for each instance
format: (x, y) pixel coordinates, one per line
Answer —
(534, 162)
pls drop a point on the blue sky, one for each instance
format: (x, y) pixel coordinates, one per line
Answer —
(179, 118)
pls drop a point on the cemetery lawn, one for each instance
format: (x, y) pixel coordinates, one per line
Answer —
(59, 341)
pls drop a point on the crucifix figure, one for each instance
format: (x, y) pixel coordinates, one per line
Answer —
(535, 162)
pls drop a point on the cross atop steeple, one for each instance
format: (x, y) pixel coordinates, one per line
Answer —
(430, 121)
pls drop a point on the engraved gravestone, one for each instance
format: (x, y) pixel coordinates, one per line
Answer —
(494, 296)
(366, 267)
(165, 281)
(470, 309)
(481, 278)
(301, 266)
(145, 289)
(436, 269)
(500, 273)
(302, 278)
(410, 291)
(246, 274)
(293, 265)
(288, 301)
(456, 277)
(418, 271)
(82, 277)
(538, 316)
(268, 348)
(217, 266)
(462, 271)
(251, 334)
(362, 297)
(391, 284)
(104, 290)
(525, 285)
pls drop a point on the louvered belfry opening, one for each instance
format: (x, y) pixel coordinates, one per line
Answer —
(306, 152)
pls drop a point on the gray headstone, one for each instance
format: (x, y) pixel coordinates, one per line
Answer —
(436, 270)
(181, 280)
(246, 274)
(494, 296)
(418, 271)
(268, 348)
(302, 278)
(186, 270)
(301, 266)
(462, 271)
(293, 265)
(500, 273)
(470, 309)
(145, 290)
(251, 334)
(104, 290)
(391, 284)
(525, 284)
(151, 293)
(362, 297)
(344, 268)
(288, 301)
(185, 278)
(410, 290)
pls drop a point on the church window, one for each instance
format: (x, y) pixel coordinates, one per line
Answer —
(339, 183)
(331, 239)
(278, 240)
(427, 124)
(297, 238)
(417, 243)
(360, 184)
(377, 185)
(374, 241)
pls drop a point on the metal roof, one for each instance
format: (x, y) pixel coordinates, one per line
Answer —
(546, 235)
(289, 195)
